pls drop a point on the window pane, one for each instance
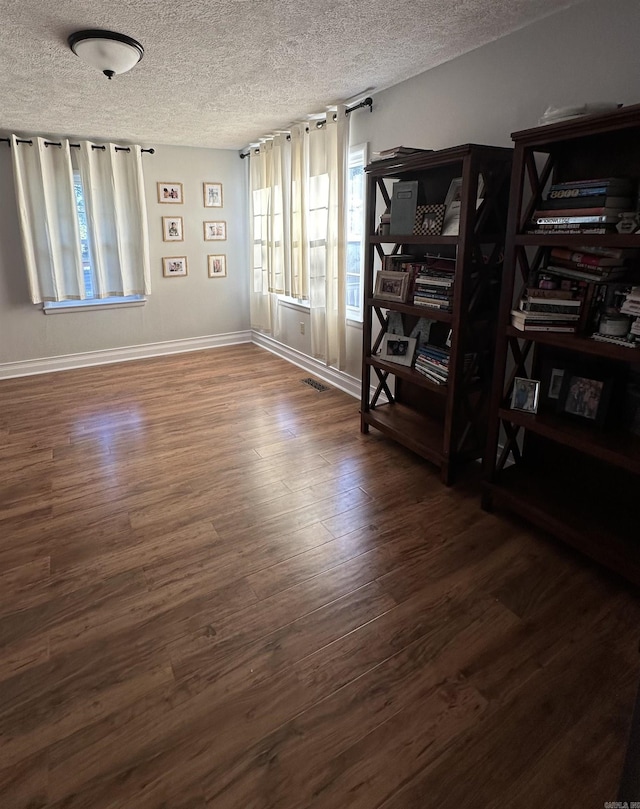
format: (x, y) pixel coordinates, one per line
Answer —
(84, 235)
(355, 228)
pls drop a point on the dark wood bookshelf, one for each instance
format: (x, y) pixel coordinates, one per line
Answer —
(445, 424)
(572, 477)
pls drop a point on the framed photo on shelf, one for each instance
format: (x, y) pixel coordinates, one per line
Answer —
(212, 193)
(215, 231)
(391, 286)
(172, 229)
(217, 266)
(397, 348)
(556, 375)
(174, 266)
(429, 220)
(525, 395)
(170, 193)
(585, 395)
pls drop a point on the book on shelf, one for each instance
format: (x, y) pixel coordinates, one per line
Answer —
(541, 327)
(544, 317)
(571, 230)
(585, 259)
(556, 294)
(604, 219)
(551, 305)
(584, 201)
(608, 183)
(585, 275)
(570, 214)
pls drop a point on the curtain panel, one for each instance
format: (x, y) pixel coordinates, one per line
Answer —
(298, 230)
(117, 230)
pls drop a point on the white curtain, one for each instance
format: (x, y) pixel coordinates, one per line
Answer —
(117, 234)
(113, 186)
(298, 193)
(48, 221)
(328, 161)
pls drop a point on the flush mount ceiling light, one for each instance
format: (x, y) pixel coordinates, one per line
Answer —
(110, 52)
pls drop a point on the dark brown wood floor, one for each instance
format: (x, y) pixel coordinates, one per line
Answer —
(215, 592)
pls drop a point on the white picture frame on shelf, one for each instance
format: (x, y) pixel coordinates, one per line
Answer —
(398, 349)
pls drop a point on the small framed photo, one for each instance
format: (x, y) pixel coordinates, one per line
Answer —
(391, 286)
(170, 193)
(215, 231)
(174, 266)
(584, 395)
(397, 348)
(172, 229)
(525, 394)
(212, 193)
(217, 266)
(556, 375)
(429, 220)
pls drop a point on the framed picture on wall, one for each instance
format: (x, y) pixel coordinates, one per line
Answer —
(174, 266)
(215, 231)
(217, 266)
(212, 195)
(170, 193)
(172, 229)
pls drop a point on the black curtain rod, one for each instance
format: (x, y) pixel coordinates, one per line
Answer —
(367, 102)
(77, 145)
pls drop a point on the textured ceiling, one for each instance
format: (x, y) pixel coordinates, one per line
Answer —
(221, 73)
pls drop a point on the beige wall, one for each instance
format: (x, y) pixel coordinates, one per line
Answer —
(178, 308)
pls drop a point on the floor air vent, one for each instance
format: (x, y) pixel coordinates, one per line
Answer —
(314, 384)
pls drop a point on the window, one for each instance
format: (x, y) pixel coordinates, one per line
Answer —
(355, 230)
(87, 270)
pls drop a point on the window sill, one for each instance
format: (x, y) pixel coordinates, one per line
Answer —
(292, 303)
(83, 306)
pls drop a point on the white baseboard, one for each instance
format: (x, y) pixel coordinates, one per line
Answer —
(85, 359)
(337, 379)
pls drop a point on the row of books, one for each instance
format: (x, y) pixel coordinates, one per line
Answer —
(542, 309)
(585, 206)
(433, 362)
(433, 284)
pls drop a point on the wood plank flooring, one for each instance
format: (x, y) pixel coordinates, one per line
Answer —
(215, 592)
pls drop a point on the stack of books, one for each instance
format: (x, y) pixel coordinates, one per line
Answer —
(433, 362)
(584, 206)
(433, 284)
(631, 304)
(587, 265)
(396, 151)
(547, 310)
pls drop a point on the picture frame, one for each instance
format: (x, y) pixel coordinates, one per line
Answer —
(215, 231)
(212, 195)
(429, 220)
(585, 395)
(391, 286)
(174, 266)
(170, 193)
(398, 349)
(217, 266)
(556, 375)
(525, 394)
(453, 205)
(172, 229)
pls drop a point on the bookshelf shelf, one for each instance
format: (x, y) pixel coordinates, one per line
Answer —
(578, 343)
(409, 374)
(573, 510)
(567, 475)
(445, 424)
(614, 447)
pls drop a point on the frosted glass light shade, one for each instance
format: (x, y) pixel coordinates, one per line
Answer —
(110, 52)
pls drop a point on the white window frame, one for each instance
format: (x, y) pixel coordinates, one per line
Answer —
(358, 155)
(89, 304)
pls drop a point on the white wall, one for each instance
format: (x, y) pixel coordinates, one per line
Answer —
(178, 308)
(586, 53)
